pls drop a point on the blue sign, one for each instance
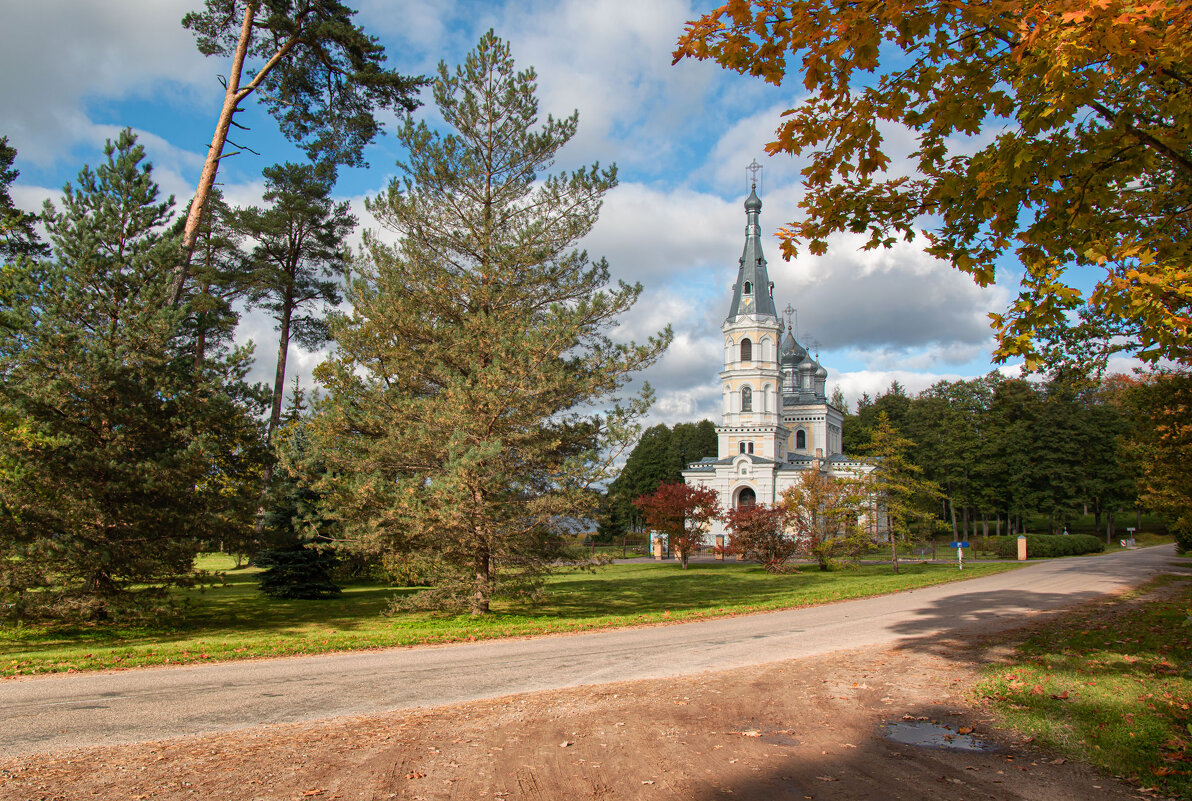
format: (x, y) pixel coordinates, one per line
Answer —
(959, 544)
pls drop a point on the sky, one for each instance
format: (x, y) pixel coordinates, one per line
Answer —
(77, 71)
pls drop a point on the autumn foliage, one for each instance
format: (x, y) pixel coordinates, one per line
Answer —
(1056, 130)
(822, 512)
(682, 512)
(760, 532)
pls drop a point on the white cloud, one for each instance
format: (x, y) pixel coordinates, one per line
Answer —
(59, 55)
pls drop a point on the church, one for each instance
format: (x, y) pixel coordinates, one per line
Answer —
(776, 419)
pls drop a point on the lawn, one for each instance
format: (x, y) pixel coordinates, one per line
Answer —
(1111, 686)
(235, 621)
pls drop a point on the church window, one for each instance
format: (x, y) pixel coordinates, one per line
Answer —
(751, 447)
(746, 398)
(742, 447)
(746, 350)
(748, 288)
(800, 439)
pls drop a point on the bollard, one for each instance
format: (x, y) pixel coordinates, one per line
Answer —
(719, 547)
(1021, 547)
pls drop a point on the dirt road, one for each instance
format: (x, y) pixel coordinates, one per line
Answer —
(800, 729)
(55, 713)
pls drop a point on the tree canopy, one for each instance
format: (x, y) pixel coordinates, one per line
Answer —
(319, 74)
(18, 232)
(1060, 130)
(119, 454)
(474, 388)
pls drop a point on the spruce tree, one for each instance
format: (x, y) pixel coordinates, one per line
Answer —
(117, 455)
(461, 394)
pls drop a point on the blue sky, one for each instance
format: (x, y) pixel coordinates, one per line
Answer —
(78, 70)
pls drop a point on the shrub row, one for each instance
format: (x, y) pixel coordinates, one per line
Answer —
(1045, 545)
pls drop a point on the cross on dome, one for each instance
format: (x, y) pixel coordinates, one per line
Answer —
(753, 169)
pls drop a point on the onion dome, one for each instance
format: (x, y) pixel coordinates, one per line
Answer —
(753, 202)
(821, 371)
(791, 352)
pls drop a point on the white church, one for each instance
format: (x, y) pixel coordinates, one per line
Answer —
(777, 420)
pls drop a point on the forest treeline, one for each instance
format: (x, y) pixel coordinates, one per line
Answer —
(1002, 451)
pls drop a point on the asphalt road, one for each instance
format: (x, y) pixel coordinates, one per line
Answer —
(54, 713)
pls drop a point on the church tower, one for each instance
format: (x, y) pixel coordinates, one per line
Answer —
(776, 419)
(751, 382)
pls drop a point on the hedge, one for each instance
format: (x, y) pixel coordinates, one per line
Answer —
(1047, 545)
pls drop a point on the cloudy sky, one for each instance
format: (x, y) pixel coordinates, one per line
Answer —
(76, 71)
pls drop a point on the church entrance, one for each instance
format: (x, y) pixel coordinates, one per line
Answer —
(747, 497)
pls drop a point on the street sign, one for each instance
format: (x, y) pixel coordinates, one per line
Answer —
(959, 546)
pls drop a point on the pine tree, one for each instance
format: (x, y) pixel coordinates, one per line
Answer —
(299, 260)
(905, 499)
(18, 232)
(118, 455)
(457, 420)
(219, 271)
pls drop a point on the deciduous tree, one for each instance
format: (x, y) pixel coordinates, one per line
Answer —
(760, 532)
(459, 418)
(1162, 447)
(683, 512)
(1060, 130)
(821, 513)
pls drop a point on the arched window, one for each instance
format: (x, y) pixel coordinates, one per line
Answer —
(748, 288)
(751, 447)
(800, 439)
(742, 447)
(746, 350)
(746, 398)
(747, 497)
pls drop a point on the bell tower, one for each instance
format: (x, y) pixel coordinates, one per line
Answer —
(751, 382)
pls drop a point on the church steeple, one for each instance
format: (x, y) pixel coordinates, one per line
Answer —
(753, 293)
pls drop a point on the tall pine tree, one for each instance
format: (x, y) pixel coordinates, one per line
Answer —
(118, 455)
(459, 417)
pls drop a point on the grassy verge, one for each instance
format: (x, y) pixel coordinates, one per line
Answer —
(235, 621)
(1111, 686)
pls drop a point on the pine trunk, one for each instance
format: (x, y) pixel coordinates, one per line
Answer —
(233, 94)
(482, 590)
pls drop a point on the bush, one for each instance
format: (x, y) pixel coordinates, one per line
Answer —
(1182, 529)
(1048, 545)
(299, 573)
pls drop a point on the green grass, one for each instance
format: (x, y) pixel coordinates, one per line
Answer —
(1111, 686)
(235, 621)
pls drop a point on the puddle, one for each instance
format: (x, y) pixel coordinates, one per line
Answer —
(779, 738)
(932, 735)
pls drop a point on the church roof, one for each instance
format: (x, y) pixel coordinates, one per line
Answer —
(791, 350)
(752, 271)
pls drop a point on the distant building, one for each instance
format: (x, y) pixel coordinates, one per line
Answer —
(776, 419)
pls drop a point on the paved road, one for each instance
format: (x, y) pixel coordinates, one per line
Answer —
(53, 713)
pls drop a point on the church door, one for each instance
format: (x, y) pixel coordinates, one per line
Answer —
(747, 497)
